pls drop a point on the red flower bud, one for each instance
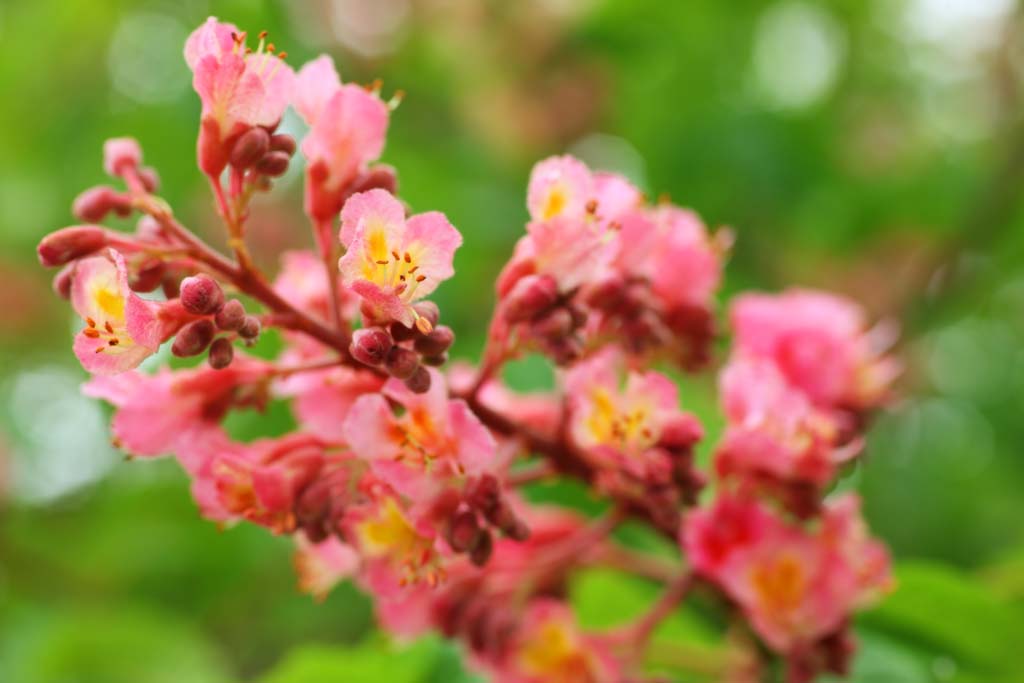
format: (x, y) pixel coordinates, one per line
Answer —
(222, 352)
(283, 143)
(428, 310)
(419, 383)
(193, 338)
(371, 345)
(95, 203)
(463, 531)
(554, 324)
(481, 552)
(231, 317)
(250, 329)
(201, 295)
(148, 276)
(120, 154)
(380, 176)
(273, 164)
(250, 147)
(435, 361)
(68, 244)
(401, 362)
(150, 178)
(401, 333)
(533, 294)
(437, 342)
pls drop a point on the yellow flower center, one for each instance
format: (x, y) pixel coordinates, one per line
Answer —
(780, 584)
(554, 652)
(610, 424)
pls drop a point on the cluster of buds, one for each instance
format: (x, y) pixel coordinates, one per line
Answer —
(402, 475)
(404, 352)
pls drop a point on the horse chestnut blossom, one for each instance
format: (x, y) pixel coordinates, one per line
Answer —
(404, 474)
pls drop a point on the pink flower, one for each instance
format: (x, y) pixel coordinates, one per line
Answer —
(559, 186)
(549, 646)
(820, 343)
(795, 585)
(434, 442)
(686, 268)
(348, 125)
(259, 482)
(622, 424)
(392, 261)
(121, 328)
(239, 90)
(158, 413)
(773, 430)
(321, 566)
(321, 399)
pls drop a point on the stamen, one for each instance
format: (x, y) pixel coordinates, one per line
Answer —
(421, 278)
(408, 259)
(382, 263)
(90, 322)
(114, 342)
(91, 333)
(109, 327)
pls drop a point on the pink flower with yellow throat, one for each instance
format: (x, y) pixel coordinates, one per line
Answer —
(392, 261)
(121, 329)
(239, 89)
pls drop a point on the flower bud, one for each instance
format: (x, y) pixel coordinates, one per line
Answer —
(150, 178)
(193, 338)
(68, 244)
(419, 383)
(371, 345)
(148, 276)
(402, 363)
(437, 342)
(250, 328)
(380, 176)
(608, 294)
(150, 229)
(680, 433)
(62, 282)
(273, 164)
(201, 295)
(95, 203)
(282, 143)
(435, 361)
(554, 324)
(533, 294)
(231, 317)
(401, 333)
(120, 154)
(463, 531)
(222, 352)
(481, 552)
(250, 147)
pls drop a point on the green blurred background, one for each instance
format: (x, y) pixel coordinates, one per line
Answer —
(871, 147)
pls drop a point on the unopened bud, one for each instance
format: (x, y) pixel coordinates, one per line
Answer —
(231, 317)
(608, 294)
(62, 281)
(419, 383)
(371, 345)
(481, 552)
(250, 147)
(282, 143)
(193, 338)
(435, 361)
(68, 244)
(150, 229)
(680, 433)
(437, 342)
(148, 276)
(201, 295)
(273, 164)
(120, 154)
(401, 333)
(553, 325)
(250, 329)
(150, 178)
(402, 363)
(222, 352)
(380, 176)
(95, 203)
(463, 531)
(531, 295)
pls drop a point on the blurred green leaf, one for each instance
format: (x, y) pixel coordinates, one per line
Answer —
(945, 613)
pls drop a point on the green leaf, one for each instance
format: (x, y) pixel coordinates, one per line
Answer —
(945, 613)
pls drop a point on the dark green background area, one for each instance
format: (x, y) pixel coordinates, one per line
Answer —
(895, 180)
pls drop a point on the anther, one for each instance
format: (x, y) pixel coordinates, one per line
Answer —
(421, 278)
(263, 35)
(109, 327)
(90, 322)
(382, 263)
(114, 342)
(408, 259)
(91, 333)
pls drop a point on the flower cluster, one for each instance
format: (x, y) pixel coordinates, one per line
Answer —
(402, 473)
